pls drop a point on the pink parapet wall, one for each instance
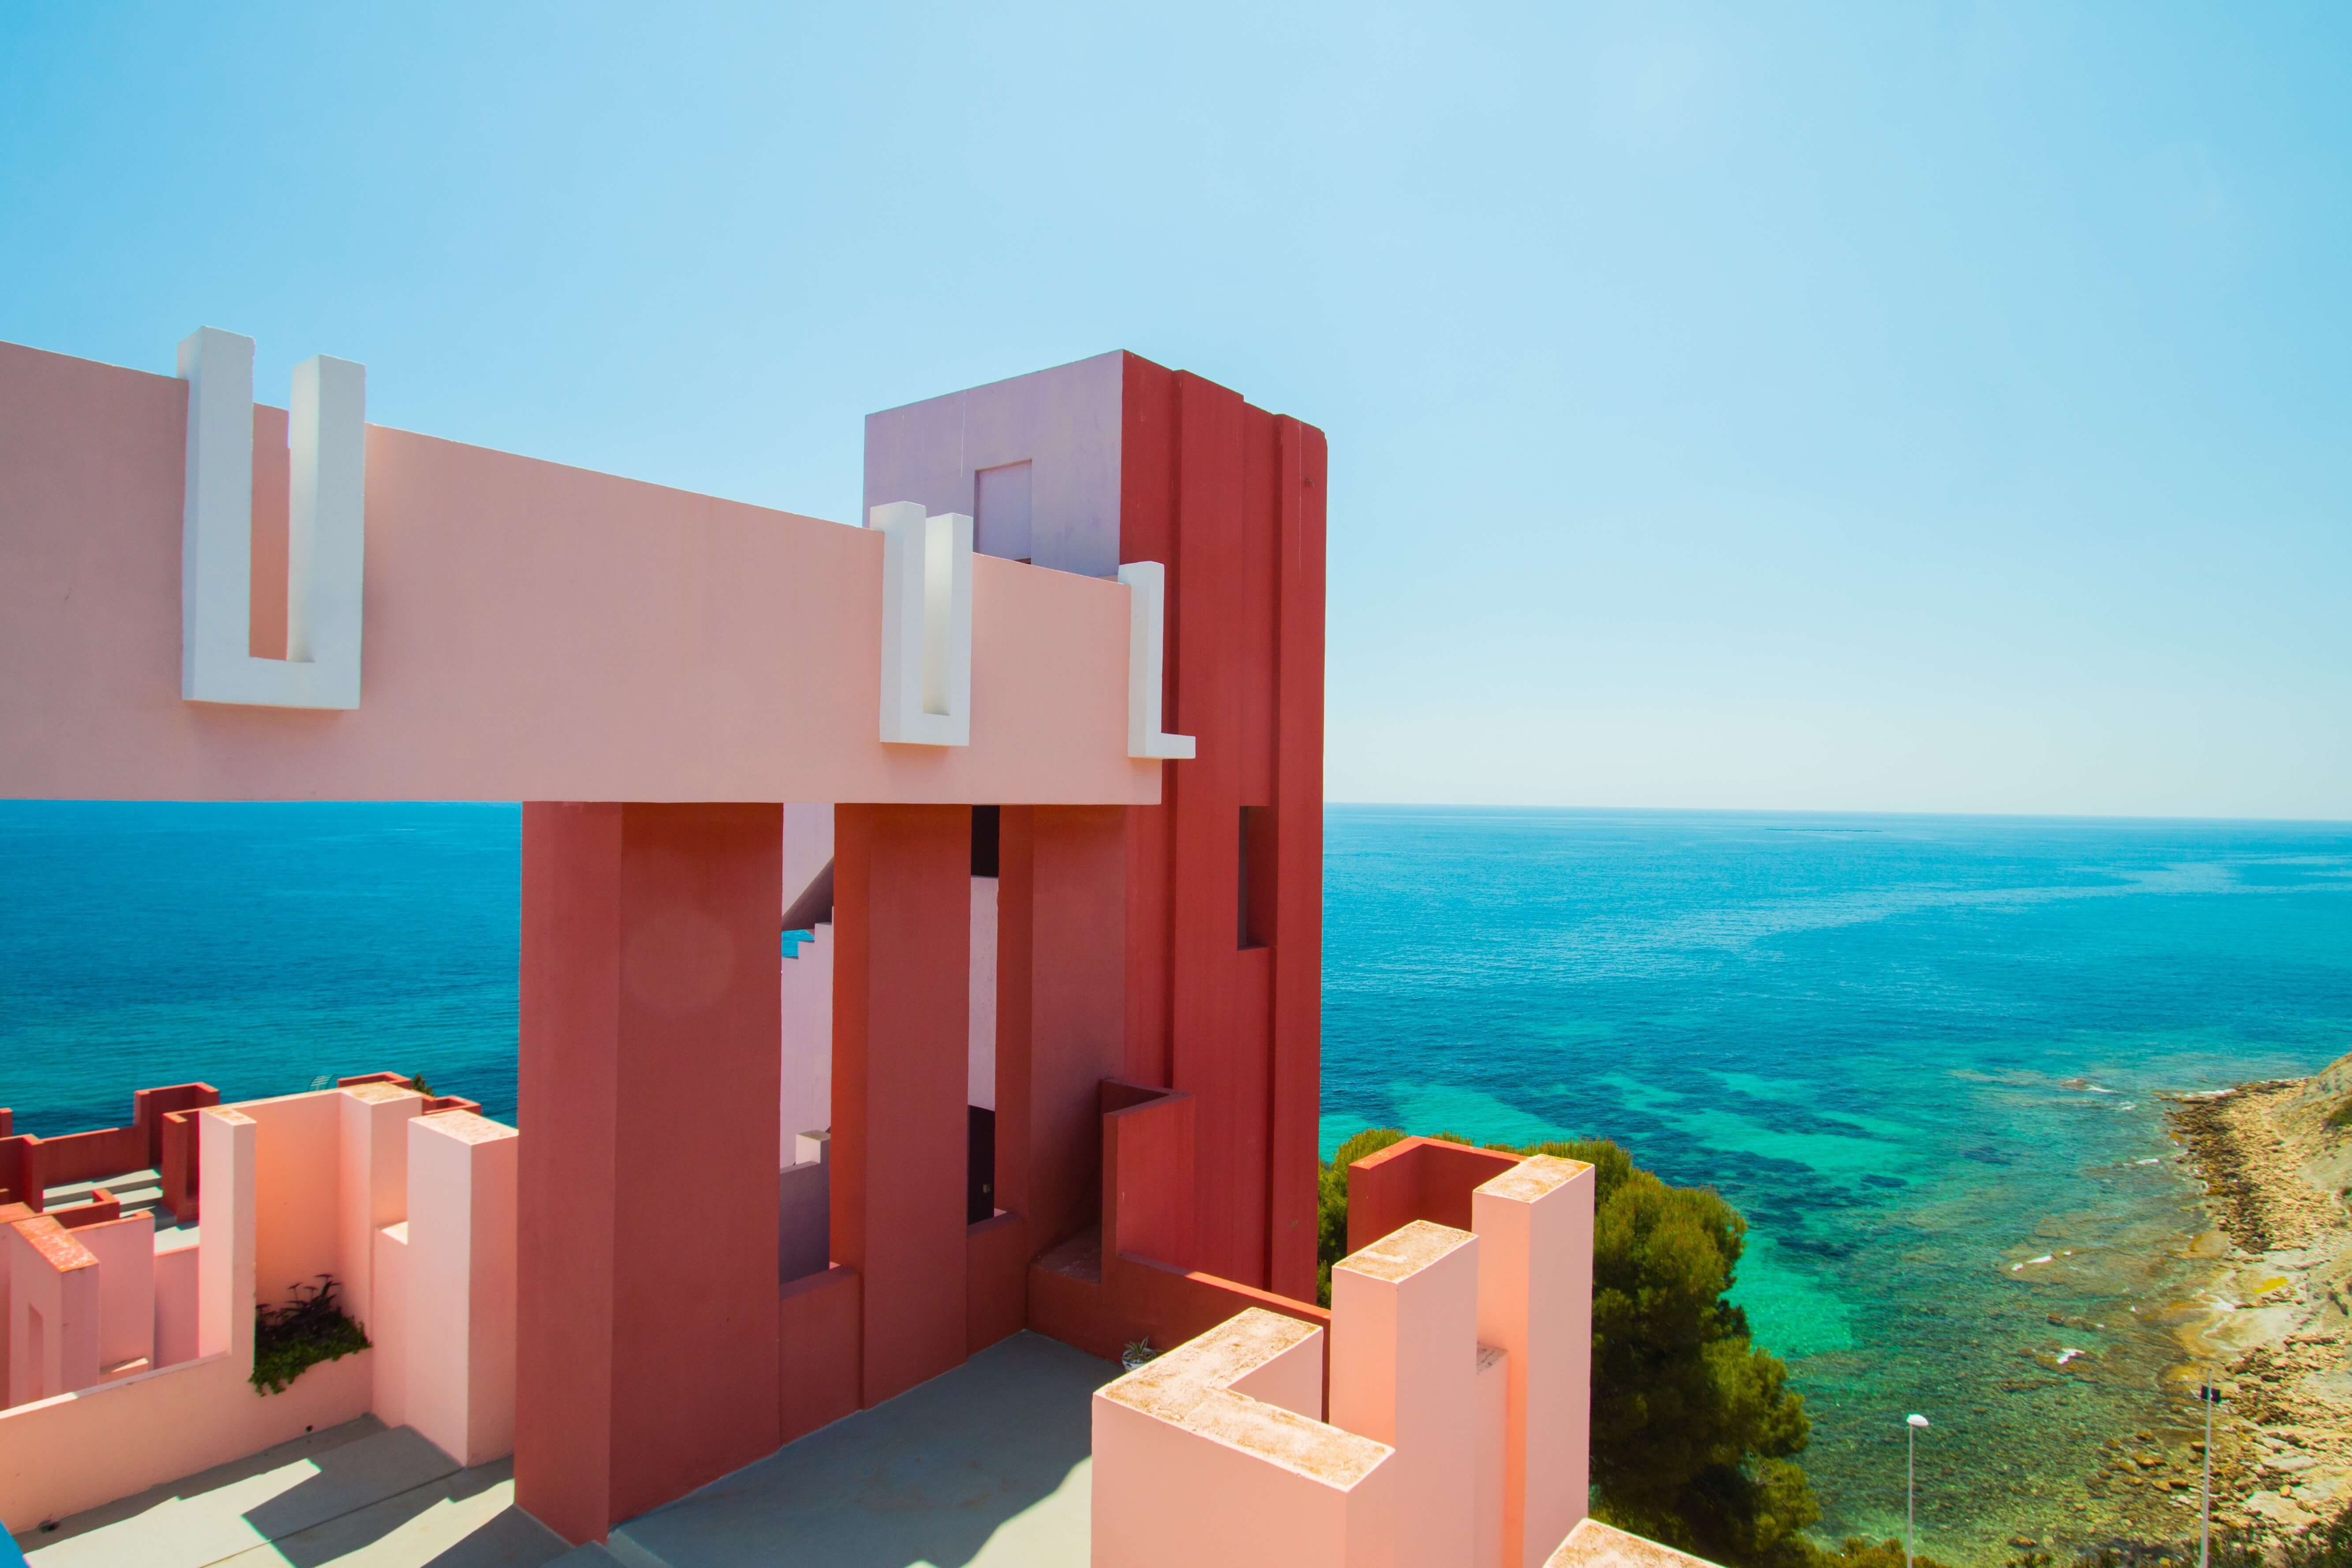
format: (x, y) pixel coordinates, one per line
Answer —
(532, 632)
(1213, 1454)
(459, 1323)
(412, 1214)
(1459, 1400)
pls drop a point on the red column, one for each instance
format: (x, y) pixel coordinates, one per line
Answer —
(1060, 1011)
(901, 1020)
(1231, 498)
(647, 1351)
(1298, 854)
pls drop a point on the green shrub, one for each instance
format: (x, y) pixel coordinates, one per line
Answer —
(288, 1340)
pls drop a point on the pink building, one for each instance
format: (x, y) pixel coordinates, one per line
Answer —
(1033, 756)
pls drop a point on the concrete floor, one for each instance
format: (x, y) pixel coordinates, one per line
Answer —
(356, 1496)
(985, 1468)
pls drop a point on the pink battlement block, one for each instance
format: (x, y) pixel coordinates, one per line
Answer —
(460, 1325)
(1405, 1369)
(1534, 1225)
(1192, 1464)
(227, 1145)
(125, 1250)
(54, 1311)
(372, 1154)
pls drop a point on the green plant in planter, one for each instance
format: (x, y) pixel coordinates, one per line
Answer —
(288, 1340)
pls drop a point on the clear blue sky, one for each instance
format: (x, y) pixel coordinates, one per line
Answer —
(1908, 407)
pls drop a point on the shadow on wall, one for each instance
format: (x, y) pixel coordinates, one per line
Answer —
(929, 1477)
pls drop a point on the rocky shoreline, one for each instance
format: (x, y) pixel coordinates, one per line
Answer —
(2274, 1315)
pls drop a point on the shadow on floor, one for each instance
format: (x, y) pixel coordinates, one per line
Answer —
(356, 1493)
(983, 1465)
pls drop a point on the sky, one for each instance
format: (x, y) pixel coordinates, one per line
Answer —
(1921, 407)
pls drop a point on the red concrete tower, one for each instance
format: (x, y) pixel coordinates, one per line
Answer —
(1080, 469)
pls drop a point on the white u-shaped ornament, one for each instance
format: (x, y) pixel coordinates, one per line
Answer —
(926, 624)
(1147, 645)
(325, 532)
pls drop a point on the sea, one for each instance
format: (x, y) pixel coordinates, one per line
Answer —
(1923, 1056)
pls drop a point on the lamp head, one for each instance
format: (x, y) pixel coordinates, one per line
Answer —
(1920, 1421)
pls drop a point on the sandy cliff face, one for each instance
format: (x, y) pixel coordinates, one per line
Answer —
(2276, 1315)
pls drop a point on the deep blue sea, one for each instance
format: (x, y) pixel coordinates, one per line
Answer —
(1916, 1052)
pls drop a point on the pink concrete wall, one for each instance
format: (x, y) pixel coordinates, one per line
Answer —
(54, 1309)
(125, 1250)
(389, 1328)
(371, 1189)
(1404, 1366)
(1187, 1470)
(533, 632)
(458, 1329)
(297, 1165)
(60, 1456)
(1535, 1303)
(1461, 1361)
(175, 1301)
(1494, 1454)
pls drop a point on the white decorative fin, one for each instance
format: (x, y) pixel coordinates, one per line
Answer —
(1147, 587)
(325, 536)
(926, 624)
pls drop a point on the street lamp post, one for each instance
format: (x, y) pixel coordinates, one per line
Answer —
(1913, 1425)
(2207, 1392)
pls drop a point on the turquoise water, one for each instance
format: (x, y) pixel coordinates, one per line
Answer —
(1916, 1052)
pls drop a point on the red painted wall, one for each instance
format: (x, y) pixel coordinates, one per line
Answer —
(1060, 1008)
(817, 1380)
(648, 1361)
(1419, 1178)
(1230, 498)
(901, 1009)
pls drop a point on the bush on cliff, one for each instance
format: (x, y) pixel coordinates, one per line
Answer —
(1694, 1428)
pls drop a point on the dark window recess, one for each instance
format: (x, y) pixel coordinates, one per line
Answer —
(1256, 890)
(978, 1164)
(983, 840)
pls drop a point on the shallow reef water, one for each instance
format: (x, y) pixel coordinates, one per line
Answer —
(1921, 1055)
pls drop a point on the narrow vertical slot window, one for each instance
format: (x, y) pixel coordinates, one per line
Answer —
(1255, 892)
(984, 820)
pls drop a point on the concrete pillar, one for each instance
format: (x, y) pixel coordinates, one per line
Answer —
(1061, 1009)
(1535, 1304)
(459, 1327)
(1405, 1365)
(373, 1153)
(1196, 1460)
(646, 1354)
(54, 1306)
(901, 1039)
(228, 1154)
